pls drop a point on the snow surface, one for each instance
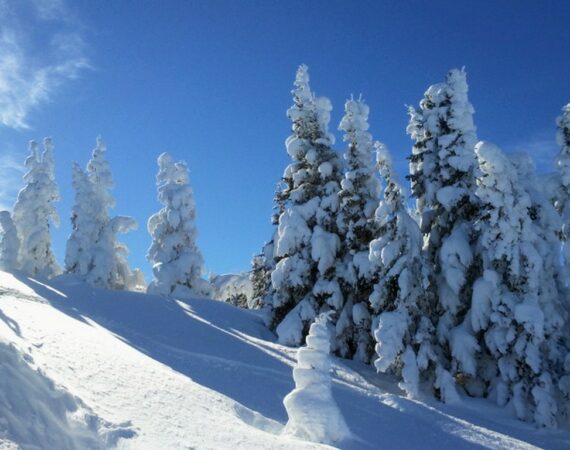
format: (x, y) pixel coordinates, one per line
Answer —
(127, 370)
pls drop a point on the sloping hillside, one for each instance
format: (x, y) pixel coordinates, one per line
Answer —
(87, 368)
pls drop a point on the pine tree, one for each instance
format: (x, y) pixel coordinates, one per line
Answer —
(443, 168)
(93, 251)
(9, 243)
(358, 201)
(401, 324)
(34, 211)
(313, 413)
(260, 278)
(307, 242)
(521, 321)
(176, 260)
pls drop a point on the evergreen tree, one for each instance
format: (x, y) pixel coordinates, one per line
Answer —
(521, 321)
(401, 325)
(358, 201)
(307, 243)
(34, 211)
(313, 413)
(9, 243)
(177, 262)
(260, 278)
(562, 190)
(443, 168)
(93, 251)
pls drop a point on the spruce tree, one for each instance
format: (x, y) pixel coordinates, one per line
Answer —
(562, 190)
(443, 168)
(177, 262)
(9, 242)
(358, 200)
(401, 324)
(520, 320)
(93, 251)
(307, 242)
(34, 211)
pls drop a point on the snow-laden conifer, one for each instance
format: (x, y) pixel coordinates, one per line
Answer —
(443, 167)
(358, 201)
(401, 324)
(313, 413)
(177, 262)
(9, 242)
(561, 194)
(34, 211)
(93, 250)
(520, 321)
(307, 243)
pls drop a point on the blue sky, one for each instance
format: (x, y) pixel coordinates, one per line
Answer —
(209, 81)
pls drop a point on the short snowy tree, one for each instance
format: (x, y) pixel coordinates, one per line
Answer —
(401, 324)
(358, 201)
(443, 168)
(9, 242)
(307, 243)
(260, 277)
(313, 413)
(93, 251)
(177, 263)
(34, 210)
(521, 323)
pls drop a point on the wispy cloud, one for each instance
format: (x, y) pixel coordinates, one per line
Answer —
(41, 48)
(11, 171)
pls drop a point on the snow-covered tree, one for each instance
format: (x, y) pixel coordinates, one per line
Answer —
(313, 413)
(443, 168)
(521, 322)
(93, 251)
(401, 324)
(260, 276)
(307, 242)
(358, 201)
(34, 210)
(9, 242)
(177, 262)
(562, 189)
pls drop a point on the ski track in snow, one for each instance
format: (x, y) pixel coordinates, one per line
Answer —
(203, 374)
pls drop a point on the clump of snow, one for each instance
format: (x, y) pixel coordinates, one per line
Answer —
(313, 413)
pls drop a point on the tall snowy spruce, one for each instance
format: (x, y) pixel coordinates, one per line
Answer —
(313, 413)
(307, 243)
(9, 242)
(34, 211)
(562, 191)
(521, 321)
(402, 326)
(443, 168)
(93, 251)
(358, 201)
(177, 263)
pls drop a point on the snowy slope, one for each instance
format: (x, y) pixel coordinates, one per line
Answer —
(144, 372)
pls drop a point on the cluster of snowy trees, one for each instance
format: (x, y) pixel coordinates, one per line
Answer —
(464, 293)
(93, 251)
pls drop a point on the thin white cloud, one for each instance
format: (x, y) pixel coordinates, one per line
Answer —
(40, 49)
